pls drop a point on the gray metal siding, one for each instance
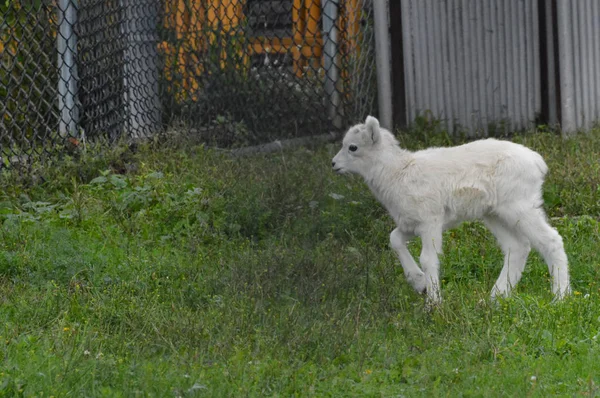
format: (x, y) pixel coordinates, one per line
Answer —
(474, 64)
(579, 59)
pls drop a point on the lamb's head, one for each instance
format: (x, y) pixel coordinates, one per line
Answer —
(362, 147)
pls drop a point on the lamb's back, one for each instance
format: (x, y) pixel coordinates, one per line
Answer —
(489, 156)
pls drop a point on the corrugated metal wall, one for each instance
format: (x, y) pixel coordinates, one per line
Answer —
(474, 64)
(578, 27)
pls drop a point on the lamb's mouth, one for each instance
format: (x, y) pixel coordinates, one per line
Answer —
(339, 170)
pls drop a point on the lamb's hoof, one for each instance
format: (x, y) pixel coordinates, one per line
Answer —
(433, 302)
(431, 305)
(492, 302)
(419, 285)
(561, 295)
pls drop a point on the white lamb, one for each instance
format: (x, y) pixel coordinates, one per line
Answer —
(429, 191)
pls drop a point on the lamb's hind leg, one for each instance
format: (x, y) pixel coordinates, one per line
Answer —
(545, 239)
(431, 240)
(413, 273)
(515, 248)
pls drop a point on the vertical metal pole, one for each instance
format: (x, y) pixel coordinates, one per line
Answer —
(399, 83)
(548, 62)
(141, 67)
(330, 54)
(382, 58)
(565, 55)
(410, 58)
(66, 44)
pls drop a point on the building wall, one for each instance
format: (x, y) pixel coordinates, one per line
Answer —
(474, 65)
(578, 29)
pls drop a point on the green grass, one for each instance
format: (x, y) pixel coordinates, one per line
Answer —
(181, 272)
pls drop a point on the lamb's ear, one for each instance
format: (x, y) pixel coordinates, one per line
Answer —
(372, 125)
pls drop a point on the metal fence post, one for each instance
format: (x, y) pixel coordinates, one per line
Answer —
(141, 68)
(398, 80)
(567, 84)
(548, 62)
(382, 54)
(330, 54)
(66, 44)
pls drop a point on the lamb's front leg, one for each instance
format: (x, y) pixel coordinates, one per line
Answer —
(431, 240)
(413, 273)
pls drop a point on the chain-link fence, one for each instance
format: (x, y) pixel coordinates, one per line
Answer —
(231, 72)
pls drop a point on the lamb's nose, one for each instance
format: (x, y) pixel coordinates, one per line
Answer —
(332, 164)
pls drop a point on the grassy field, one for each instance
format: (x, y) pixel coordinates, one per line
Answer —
(177, 271)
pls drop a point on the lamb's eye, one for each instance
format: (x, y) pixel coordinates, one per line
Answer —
(352, 148)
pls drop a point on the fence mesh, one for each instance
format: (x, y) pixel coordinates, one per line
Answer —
(230, 72)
